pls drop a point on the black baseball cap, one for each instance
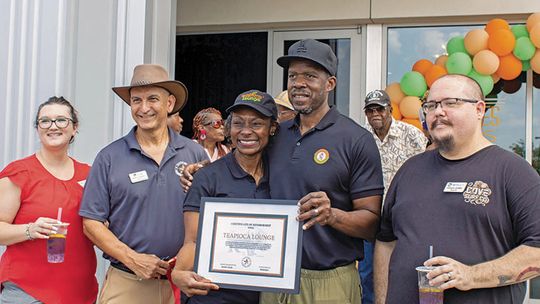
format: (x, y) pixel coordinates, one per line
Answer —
(377, 97)
(312, 50)
(258, 101)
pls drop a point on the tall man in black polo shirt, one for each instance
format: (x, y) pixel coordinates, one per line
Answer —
(332, 166)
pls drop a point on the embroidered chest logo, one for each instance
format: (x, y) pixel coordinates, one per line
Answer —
(477, 193)
(321, 156)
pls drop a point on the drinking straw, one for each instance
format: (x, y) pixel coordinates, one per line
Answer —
(59, 216)
(430, 251)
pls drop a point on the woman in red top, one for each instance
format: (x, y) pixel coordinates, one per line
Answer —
(32, 189)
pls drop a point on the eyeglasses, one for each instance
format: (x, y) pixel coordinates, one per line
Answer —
(446, 103)
(60, 122)
(373, 110)
(216, 124)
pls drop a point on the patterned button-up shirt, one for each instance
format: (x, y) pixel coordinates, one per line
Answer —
(402, 142)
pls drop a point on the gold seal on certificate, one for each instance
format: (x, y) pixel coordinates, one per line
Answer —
(251, 244)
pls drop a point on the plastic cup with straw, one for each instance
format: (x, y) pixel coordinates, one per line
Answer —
(56, 244)
(428, 294)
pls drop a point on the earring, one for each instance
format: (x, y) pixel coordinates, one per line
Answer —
(202, 136)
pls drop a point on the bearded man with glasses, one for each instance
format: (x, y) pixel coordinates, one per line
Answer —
(474, 202)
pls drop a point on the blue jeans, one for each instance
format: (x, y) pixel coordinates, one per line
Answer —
(365, 269)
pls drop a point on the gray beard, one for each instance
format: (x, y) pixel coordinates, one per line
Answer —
(445, 144)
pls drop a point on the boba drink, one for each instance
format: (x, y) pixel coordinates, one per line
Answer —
(56, 244)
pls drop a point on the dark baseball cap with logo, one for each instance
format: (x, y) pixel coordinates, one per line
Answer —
(378, 98)
(312, 50)
(258, 101)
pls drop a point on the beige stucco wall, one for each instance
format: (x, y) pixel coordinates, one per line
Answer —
(384, 11)
(226, 15)
(197, 15)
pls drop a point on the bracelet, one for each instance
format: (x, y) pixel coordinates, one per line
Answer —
(27, 232)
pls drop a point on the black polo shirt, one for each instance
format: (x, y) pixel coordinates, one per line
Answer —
(225, 178)
(338, 157)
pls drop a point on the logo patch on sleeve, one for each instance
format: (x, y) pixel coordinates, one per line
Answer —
(477, 193)
(321, 156)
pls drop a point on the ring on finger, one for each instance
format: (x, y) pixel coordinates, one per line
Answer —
(449, 276)
(316, 211)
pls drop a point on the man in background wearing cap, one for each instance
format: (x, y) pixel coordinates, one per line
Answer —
(175, 121)
(285, 109)
(132, 205)
(397, 141)
(332, 166)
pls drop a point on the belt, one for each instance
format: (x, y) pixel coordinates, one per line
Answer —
(124, 268)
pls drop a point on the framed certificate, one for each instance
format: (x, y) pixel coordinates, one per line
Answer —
(250, 244)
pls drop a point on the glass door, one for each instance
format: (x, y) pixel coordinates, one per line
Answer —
(346, 43)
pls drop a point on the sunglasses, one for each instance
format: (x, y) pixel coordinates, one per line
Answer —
(216, 124)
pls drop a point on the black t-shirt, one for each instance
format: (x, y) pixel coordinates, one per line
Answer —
(338, 157)
(225, 178)
(491, 207)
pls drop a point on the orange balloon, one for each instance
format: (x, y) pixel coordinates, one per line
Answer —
(533, 20)
(496, 24)
(409, 106)
(395, 111)
(534, 34)
(475, 41)
(421, 66)
(535, 62)
(394, 92)
(501, 42)
(434, 73)
(441, 60)
(509, 67)
(486, 62)
(414, 122)
(495, 77)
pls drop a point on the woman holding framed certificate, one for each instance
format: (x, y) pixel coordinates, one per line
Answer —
(240, 174)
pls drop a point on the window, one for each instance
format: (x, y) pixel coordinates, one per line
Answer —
(504, 122)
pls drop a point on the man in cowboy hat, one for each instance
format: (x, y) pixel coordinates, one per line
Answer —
(132, 204)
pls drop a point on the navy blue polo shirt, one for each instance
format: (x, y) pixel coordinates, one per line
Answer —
(225, 178)
(338, 157)
(144, 212)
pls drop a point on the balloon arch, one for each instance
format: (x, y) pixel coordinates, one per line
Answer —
(494, 56)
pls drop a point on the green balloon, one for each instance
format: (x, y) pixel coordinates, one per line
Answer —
(526, 65)
(455, 45)
(459, 63)
(413, 84)
(485, 81)
(524, 49)
(520, 30)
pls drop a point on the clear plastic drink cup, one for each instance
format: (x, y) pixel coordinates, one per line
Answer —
(428, 294)
(56, 244)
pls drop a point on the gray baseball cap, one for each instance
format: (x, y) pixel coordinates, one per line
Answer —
(377, 97)
(312, 50)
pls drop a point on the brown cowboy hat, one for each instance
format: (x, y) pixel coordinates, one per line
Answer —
(154, 75)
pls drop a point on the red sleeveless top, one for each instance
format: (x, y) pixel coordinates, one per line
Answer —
(25, 263)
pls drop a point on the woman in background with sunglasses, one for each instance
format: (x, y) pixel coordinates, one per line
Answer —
(209, 132)
(32, 190)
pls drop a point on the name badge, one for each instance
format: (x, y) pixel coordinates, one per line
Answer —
(455, 187)
(136, 177)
